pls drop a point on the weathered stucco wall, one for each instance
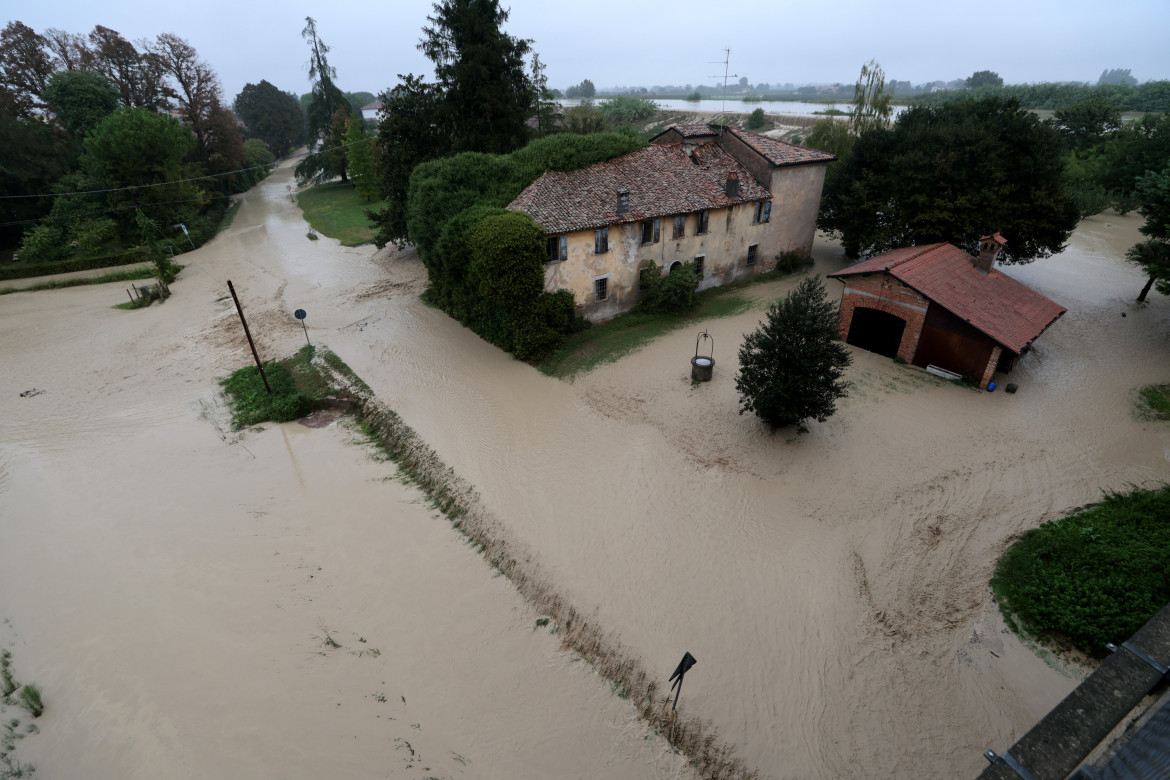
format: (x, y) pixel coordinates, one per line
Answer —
(725, 247)
(796, 197)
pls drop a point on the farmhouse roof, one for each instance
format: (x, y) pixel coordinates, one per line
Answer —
(375, 106)
(778, 153)
(661, 180)
(1005, 310)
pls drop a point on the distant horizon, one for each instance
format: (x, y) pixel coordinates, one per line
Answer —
(1041, 41)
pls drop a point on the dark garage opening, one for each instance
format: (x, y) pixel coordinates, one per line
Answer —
(876, 331)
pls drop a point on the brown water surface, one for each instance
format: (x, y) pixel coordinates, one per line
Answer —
(162, 580)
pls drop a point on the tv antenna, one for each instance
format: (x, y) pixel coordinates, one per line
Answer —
(726, 62)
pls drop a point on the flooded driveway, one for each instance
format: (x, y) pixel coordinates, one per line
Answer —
(833, 587)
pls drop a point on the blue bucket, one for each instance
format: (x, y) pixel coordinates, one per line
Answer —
(991, 387)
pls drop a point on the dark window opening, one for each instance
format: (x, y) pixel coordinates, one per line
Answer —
(558, 249)
(680, 226)
(763, 212)
(704, 219)
(601, 241)
(699, 261)
(600, 289)
(651, 230)
(751, 258)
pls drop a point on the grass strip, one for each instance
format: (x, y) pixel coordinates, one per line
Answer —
(1092, 577)
(147, 272)
(458, 500)
(613, 339)
(336, 210)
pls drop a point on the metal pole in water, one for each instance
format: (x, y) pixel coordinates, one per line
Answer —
(248, 333)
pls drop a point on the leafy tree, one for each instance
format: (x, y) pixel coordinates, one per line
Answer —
(623, 109)
(984, 78)
(199, 103)
(80, 100)
(871, 102)
(69, 48)
(25, 66)
(791, 368)
(480, 73)
(1088, 122)
(584, 90)
(359, 150)
(1153, 256)
(547, 109)
(413, 130)
(270, 115)
(1139, 146)
(585, 119)
(139, 76)
(35, 156)
(757, 120)
(359, 100)
(258, 160)
(325, 130)
(161, 147)
(1116, 76)
(954, 173)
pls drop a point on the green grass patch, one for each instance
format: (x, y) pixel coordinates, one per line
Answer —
(228, 217)
(296, 386)
(1154, 402)
(117, 276)
(1092, 577)
(612, 340)
(336, 210)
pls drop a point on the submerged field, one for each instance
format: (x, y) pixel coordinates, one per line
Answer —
(171, 584)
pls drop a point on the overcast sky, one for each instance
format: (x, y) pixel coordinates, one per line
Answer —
(648, 42)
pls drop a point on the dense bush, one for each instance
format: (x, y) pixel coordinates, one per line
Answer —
(791, 367)
(668, 293)
(252, 404)
(623, 109)
(448, 200)
(1092, 577)
(757, 120)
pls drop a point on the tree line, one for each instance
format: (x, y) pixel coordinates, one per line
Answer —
(71, 107)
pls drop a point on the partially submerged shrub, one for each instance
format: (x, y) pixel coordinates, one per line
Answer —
(1092, 577)
(30, 699)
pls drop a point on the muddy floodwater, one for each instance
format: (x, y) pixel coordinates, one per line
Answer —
(170, 585)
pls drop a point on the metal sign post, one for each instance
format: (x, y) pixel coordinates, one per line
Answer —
(683, 667)
(300, 315)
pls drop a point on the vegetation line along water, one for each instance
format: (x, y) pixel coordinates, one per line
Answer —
(458, 501)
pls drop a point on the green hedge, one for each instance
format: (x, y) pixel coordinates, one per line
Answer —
(1092, 577)
(450, 197)
(29, 270)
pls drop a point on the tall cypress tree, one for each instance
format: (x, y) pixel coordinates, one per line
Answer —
(327, 99)
(486, 92)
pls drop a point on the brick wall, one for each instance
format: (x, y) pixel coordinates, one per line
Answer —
(885, 293)
(991, 364)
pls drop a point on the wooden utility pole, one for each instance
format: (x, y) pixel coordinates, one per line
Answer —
(247, 333)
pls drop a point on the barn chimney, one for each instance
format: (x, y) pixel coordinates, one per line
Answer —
(989, 247)
(623, 201)
(732, 187)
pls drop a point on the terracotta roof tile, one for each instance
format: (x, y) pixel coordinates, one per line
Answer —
(780, 153)
(776, 152)
(994, 303)
(662, 180)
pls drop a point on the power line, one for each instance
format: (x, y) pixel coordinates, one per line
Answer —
(75, 215)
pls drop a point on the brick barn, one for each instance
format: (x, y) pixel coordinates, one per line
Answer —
(938, 305)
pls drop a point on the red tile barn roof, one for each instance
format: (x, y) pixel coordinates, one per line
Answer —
(662, 180)
(994, 303)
